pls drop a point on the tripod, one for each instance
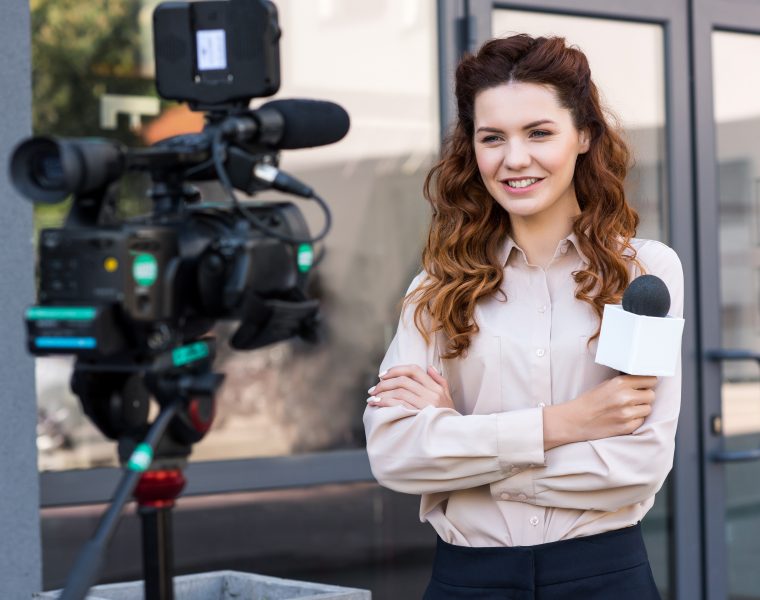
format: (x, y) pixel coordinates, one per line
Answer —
(112, 396)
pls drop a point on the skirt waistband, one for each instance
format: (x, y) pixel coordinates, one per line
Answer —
(525, 567)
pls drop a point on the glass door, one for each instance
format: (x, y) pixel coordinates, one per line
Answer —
(727, 101)
(633, 52)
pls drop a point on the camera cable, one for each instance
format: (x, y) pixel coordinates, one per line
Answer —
(278, 180)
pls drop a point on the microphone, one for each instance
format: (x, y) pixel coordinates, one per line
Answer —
(291, 124)
(638, 337)
(647, 295)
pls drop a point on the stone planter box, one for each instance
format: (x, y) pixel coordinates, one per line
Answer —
(226, 585)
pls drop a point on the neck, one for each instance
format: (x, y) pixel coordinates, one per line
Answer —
(539, 235)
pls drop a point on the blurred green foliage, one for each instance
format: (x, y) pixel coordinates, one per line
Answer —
(80, 51)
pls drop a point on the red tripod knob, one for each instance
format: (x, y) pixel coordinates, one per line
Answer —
(159, 489)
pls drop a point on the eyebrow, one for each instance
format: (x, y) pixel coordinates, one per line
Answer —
(528, 126)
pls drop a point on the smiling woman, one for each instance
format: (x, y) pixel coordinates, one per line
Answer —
(526, 157)
(535, 464)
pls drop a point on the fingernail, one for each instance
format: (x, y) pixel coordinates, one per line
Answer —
(369, 391)
(434, 369)
(383, 374)
(371, 399)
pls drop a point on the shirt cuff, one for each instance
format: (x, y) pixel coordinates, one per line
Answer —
(520, 437)
(519, 488)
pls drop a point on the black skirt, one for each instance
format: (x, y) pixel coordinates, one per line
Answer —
(607, 566)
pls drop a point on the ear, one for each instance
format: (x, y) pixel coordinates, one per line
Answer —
(584, 141)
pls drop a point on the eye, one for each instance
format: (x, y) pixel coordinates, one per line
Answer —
(489, 139)
(540, 133)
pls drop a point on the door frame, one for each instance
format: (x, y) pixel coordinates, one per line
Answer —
(469, 24)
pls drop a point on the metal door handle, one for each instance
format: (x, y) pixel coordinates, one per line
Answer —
(737, 455)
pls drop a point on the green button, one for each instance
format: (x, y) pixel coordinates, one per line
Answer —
(145, 269)
(305, 257)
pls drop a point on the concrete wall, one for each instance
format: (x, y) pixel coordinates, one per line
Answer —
(20, 568)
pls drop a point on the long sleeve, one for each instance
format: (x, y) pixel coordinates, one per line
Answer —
(440, 450)
(611, 473)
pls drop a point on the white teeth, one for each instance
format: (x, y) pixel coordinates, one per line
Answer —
(521, 183)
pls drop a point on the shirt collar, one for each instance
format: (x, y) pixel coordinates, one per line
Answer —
(565, 244)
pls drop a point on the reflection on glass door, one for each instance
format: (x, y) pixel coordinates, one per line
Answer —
(633, 87)
(736, 90)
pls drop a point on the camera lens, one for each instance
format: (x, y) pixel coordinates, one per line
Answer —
(47, 171)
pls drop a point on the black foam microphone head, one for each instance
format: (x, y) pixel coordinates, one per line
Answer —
(647, 295)
(309, 123)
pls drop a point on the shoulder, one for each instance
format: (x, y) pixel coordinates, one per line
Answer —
(655, 256)
(417, 281)
(410, 300)
(658, 259)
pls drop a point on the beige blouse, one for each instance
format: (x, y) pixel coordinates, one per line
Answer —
(484, 477)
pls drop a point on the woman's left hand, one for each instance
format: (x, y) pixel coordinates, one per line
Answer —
(410, 386)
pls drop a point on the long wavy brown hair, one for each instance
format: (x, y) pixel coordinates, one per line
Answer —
(468, 227)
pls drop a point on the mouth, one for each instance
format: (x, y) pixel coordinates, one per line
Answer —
(521, 184)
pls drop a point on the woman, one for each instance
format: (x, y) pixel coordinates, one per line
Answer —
(535, 464)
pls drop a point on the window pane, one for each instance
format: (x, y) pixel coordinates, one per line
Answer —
(737, 125)
(378, 60)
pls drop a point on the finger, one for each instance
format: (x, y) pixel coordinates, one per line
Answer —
(414, 372)
(396, 384)
(408, 397)
(639, 411)
(442, 383)
(380, 402)
(437, 377)
(644, 397)
(641, 382)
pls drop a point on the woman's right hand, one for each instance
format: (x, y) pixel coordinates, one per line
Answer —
(617, 406)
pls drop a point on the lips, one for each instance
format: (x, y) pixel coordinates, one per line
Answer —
(520, 184)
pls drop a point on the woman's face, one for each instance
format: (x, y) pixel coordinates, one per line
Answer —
(526, 146)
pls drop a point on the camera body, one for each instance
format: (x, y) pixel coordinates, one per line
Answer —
(144, 287)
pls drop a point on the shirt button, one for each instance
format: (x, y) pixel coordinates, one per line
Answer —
(534, 521)
(541, 404)
(514, 469)
(563, 249)
(505, 496)
(522, 497)
(542, 309)
(540, 352)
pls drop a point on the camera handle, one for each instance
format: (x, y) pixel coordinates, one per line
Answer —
(90, 559)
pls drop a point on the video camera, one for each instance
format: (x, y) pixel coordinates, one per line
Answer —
(134, 297)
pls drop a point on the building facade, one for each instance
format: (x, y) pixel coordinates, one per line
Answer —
(288, 440)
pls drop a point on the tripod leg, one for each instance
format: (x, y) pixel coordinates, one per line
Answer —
(158, 552)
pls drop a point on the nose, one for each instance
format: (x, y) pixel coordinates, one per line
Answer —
(516, 155)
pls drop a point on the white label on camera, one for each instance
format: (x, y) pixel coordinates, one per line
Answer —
(212, 49)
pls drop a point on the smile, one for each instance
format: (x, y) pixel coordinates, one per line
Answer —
(524, 184)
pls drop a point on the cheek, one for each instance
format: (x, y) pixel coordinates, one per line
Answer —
(487, 162)
(561, 161)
